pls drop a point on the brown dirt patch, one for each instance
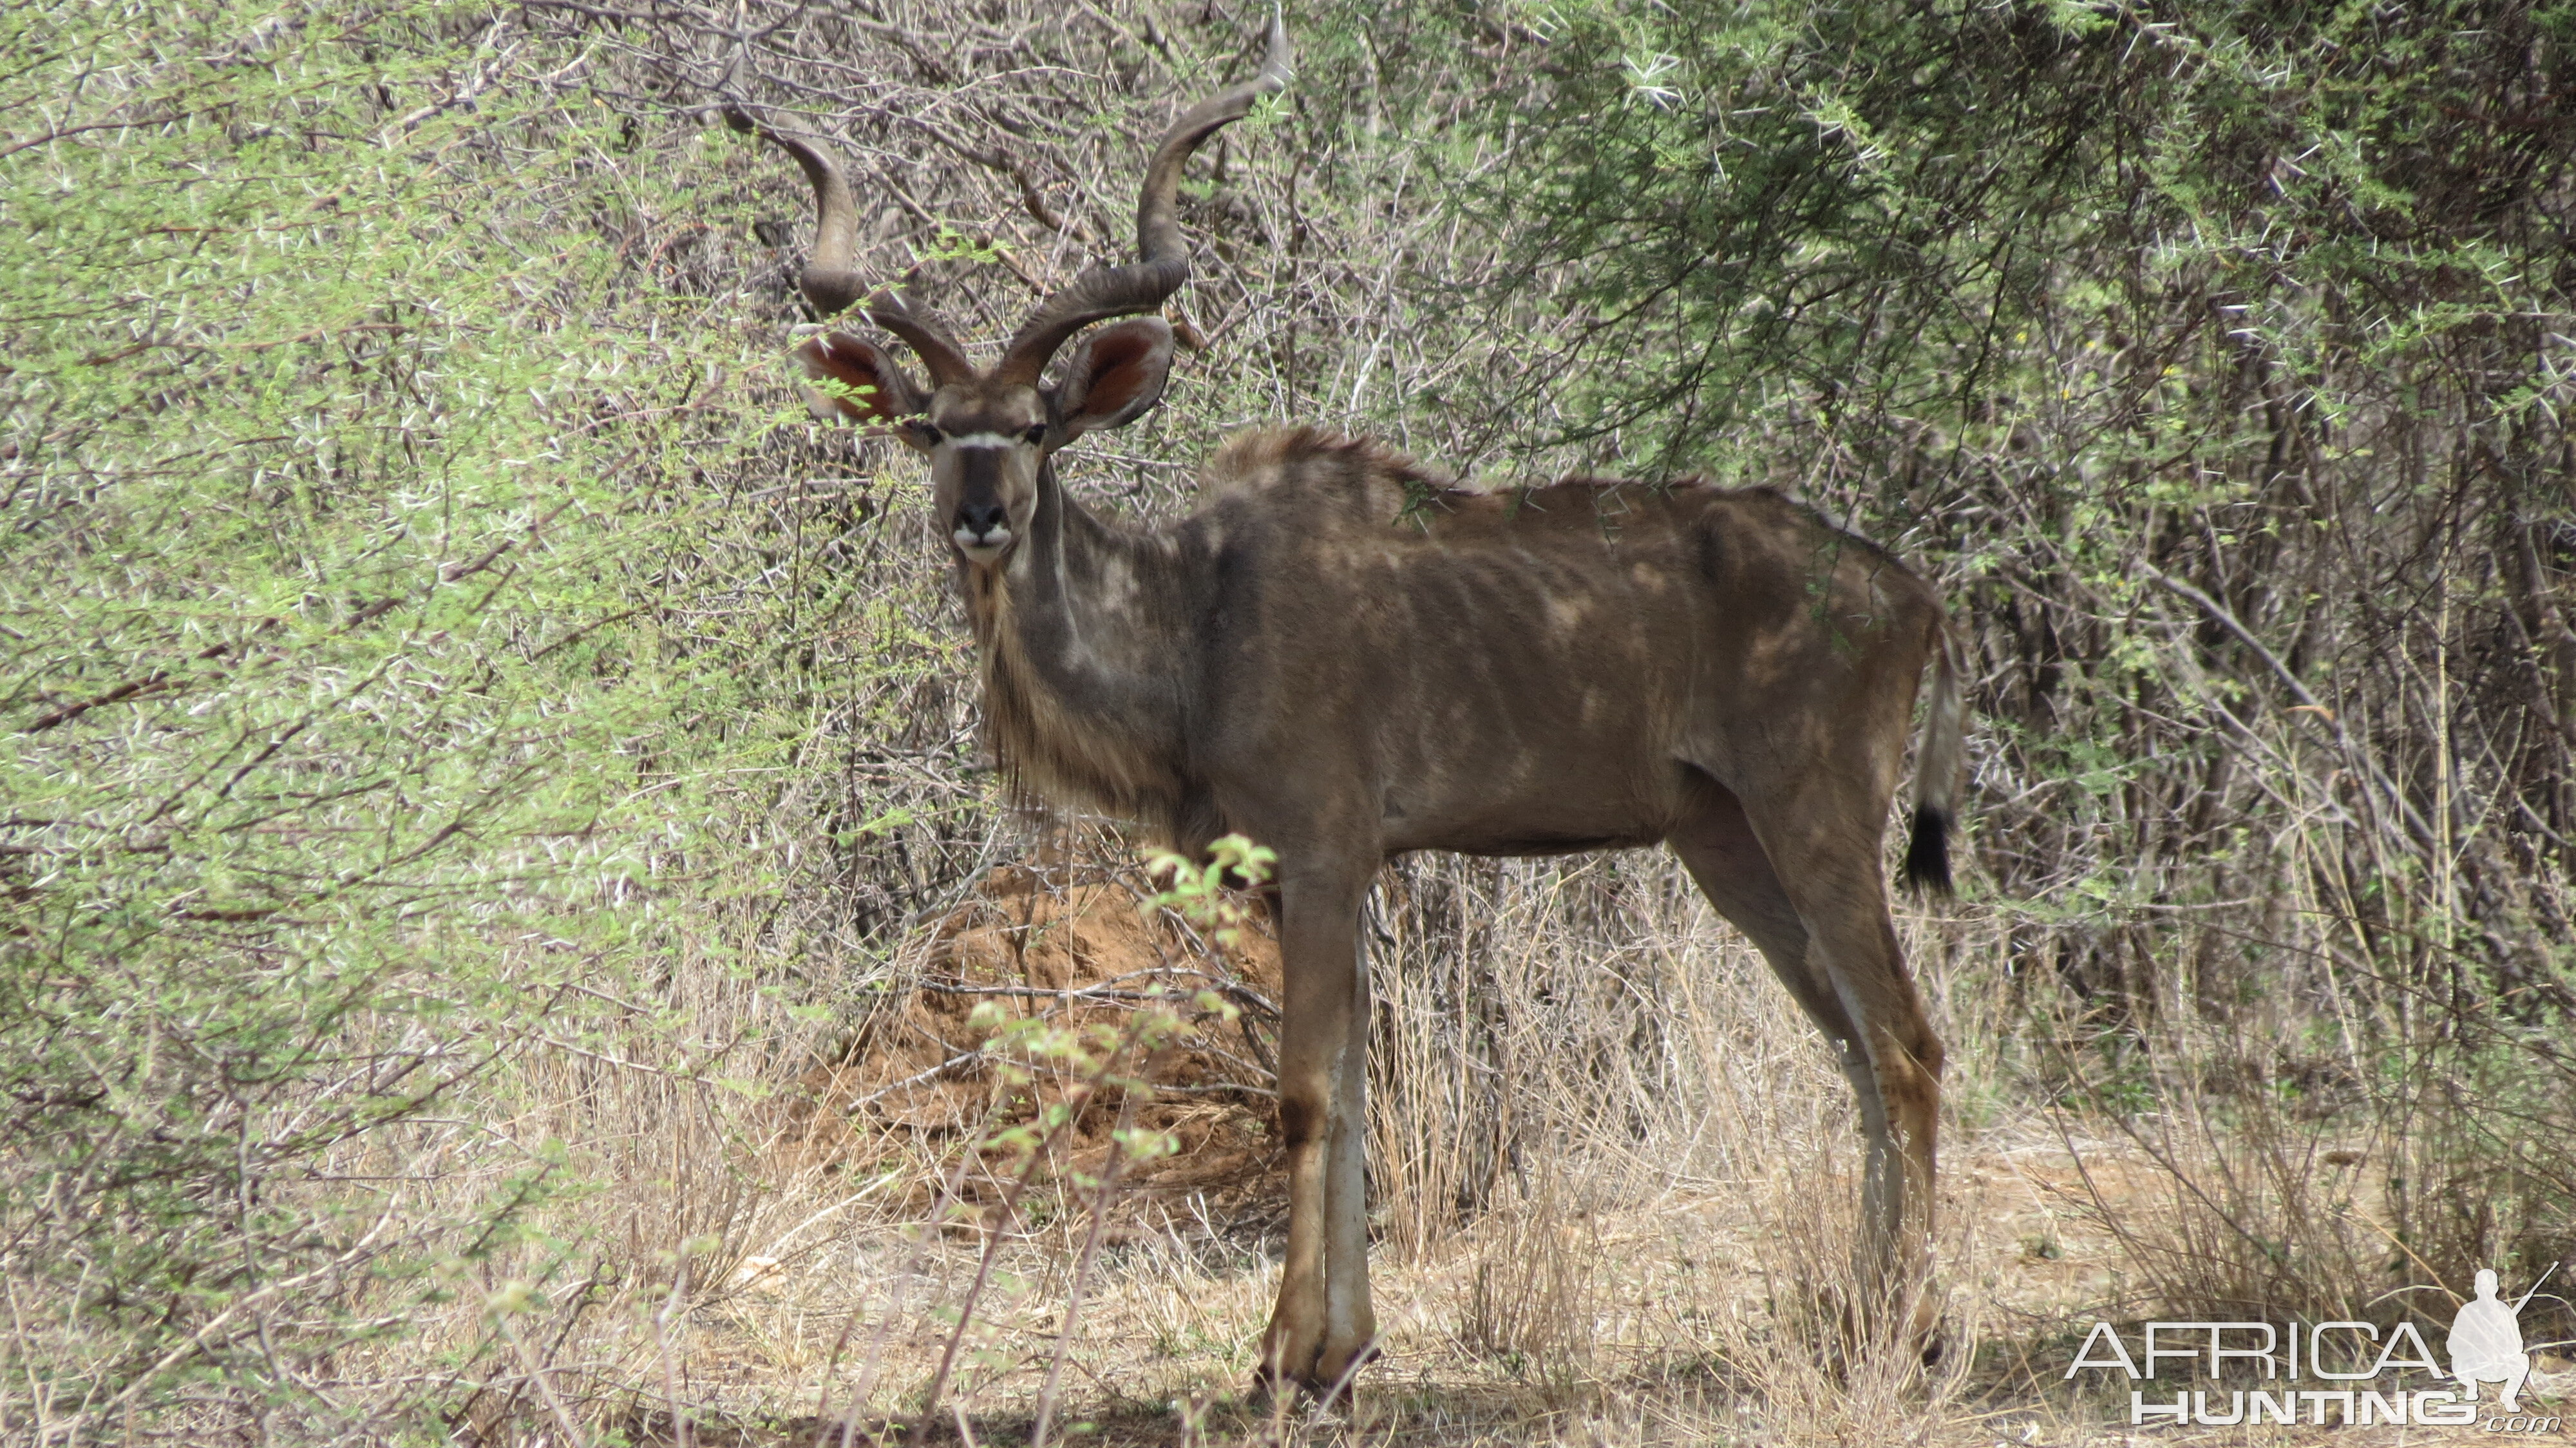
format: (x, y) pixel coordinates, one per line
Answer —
(1080, 947)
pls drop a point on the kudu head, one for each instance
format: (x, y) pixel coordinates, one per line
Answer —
(989, 432)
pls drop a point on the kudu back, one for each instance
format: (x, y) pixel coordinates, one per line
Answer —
(1344, 656)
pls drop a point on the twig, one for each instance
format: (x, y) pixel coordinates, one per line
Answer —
(132, 688)
(680, 1434)
(1100, 1204)
(545, 1390)
(919, 1078)
(1008, 1206)
(2226, 618)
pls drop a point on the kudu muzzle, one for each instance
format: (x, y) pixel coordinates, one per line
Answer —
(980, 524)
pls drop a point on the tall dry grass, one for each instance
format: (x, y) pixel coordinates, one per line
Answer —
(1661, 1273)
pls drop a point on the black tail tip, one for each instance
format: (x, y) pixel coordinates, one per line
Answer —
(1927, 856)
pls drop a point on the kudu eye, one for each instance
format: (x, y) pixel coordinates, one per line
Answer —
(928, 434)
(1036, 434)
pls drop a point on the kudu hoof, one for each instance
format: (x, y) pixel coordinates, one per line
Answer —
(1324, 1380)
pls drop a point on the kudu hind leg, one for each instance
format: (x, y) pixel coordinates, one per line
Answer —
(1852, 983)
(1322, 1321)
(1896, 1073)
(1723, 856)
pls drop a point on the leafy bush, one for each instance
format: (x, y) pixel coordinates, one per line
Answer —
(2218, 358)
(325, 732)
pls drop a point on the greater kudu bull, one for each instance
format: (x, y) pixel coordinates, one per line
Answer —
(1344, 657)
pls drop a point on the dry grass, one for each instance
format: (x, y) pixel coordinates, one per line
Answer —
(1663, 1257)
(1659, 1273)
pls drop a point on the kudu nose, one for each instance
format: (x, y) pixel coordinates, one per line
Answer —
(982, 524)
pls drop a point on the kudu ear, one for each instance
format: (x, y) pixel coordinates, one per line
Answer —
(872, 387)
(1114, 375)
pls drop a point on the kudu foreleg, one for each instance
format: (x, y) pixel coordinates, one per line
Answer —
(1322, 1322)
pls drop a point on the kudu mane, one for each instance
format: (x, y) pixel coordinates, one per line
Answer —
(1052, 749)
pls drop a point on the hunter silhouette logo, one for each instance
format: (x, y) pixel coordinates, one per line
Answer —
(2347, 1360)
(2486, 1342)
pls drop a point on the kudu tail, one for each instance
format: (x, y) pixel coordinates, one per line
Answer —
(1939, 755)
